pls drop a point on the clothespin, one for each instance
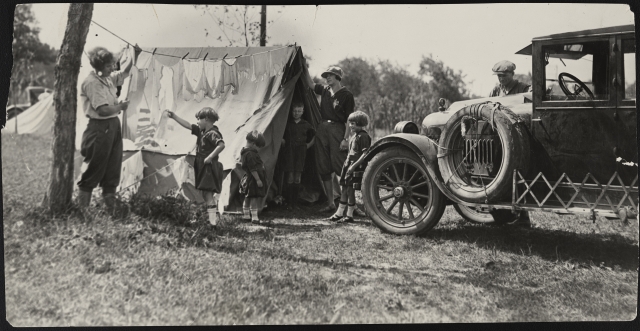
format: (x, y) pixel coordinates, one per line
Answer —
(205, 56)
(185, 55)
(225, 56)
(154, 51)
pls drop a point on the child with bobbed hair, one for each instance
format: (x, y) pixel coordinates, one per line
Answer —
(253, 183)
(208, 169)
(358, 145)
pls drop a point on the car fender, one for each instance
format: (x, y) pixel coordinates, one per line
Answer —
(424, 147)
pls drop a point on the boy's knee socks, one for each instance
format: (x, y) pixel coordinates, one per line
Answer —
(254, 214)
(350, 210)
(213, 217)
(341, 207)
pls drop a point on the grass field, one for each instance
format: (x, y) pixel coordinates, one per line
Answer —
(302, 269)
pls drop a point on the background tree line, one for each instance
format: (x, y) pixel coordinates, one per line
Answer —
(33, 61)
(388, 93)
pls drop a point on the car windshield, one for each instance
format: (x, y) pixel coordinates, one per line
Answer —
(576, 71)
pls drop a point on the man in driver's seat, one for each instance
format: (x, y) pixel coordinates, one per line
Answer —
(508, 85)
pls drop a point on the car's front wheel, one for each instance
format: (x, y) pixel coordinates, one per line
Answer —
(399, 194)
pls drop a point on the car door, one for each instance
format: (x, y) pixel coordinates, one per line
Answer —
(579, 132)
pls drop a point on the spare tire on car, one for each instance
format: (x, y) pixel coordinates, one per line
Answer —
(479, 148)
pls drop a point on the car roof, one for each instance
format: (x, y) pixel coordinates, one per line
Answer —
(620, 29)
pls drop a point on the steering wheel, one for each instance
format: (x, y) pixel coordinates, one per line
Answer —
(578, 90)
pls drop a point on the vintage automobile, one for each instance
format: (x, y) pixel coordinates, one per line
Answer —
(569, 146)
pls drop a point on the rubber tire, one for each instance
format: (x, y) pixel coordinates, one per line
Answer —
(428, 219)
(515, 154)
(470, 214)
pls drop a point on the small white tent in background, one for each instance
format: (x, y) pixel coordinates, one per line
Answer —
(36, 120)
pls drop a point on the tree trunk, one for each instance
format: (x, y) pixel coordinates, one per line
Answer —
(58, 195)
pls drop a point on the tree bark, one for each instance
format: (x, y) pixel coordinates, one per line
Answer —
(59, 193)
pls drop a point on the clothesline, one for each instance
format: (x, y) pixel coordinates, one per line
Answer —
(178, 57)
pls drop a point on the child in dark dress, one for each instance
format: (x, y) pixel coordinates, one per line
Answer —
(253, 184)
(358, 144)
(299, 136)
(208, 169)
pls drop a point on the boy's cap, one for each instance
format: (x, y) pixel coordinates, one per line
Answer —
(333, 70)
(503, 66)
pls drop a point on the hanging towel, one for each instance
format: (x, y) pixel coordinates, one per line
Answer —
(156, 71)
(230, 77)
(213, 72)
(261, 66)
(243, 65)
(193, 77)
(165, 98)
(178, 74)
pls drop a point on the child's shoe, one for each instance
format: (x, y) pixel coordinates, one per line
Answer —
(346, 219)
(335, 218)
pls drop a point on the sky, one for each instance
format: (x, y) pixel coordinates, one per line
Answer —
(467, 37)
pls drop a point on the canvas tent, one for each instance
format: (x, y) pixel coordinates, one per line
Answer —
(251, 88)
(36, 120)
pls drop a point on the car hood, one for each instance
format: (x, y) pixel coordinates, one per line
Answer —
(518, 103)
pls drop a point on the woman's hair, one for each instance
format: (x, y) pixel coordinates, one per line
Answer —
(208, 113)
(256, 138)
(99, 56)
(359, 117)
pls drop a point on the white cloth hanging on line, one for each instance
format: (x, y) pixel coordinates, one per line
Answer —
(213, 73)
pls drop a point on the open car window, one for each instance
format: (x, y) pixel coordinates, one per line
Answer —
(629, 62)
(576, 71)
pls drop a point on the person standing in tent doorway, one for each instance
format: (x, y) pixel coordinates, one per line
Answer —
(208, 169)
(332, 134)
(299, 136)
(102, 139)
(253, 184)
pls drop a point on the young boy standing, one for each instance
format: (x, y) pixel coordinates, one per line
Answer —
(208, 169)
(358, 144)
(299, 136)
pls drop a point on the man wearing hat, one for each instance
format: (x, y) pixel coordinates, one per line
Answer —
(508, 85)
(332, 134)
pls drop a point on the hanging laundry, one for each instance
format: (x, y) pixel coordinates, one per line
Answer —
(244, 67)
(279, 60)
(230, 77)
(165, 98)
(178, 74)
(261, 66)
(253, 69)
(199, 95)
(193, 78)
(156, 68)
(213, 74)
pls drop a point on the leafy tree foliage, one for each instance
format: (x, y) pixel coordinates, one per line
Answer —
(236, 25)
(390, 94)
(33, 61)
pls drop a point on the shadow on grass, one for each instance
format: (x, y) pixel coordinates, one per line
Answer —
(551, 245)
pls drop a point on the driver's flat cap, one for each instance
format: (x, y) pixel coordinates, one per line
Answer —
(503, 67)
